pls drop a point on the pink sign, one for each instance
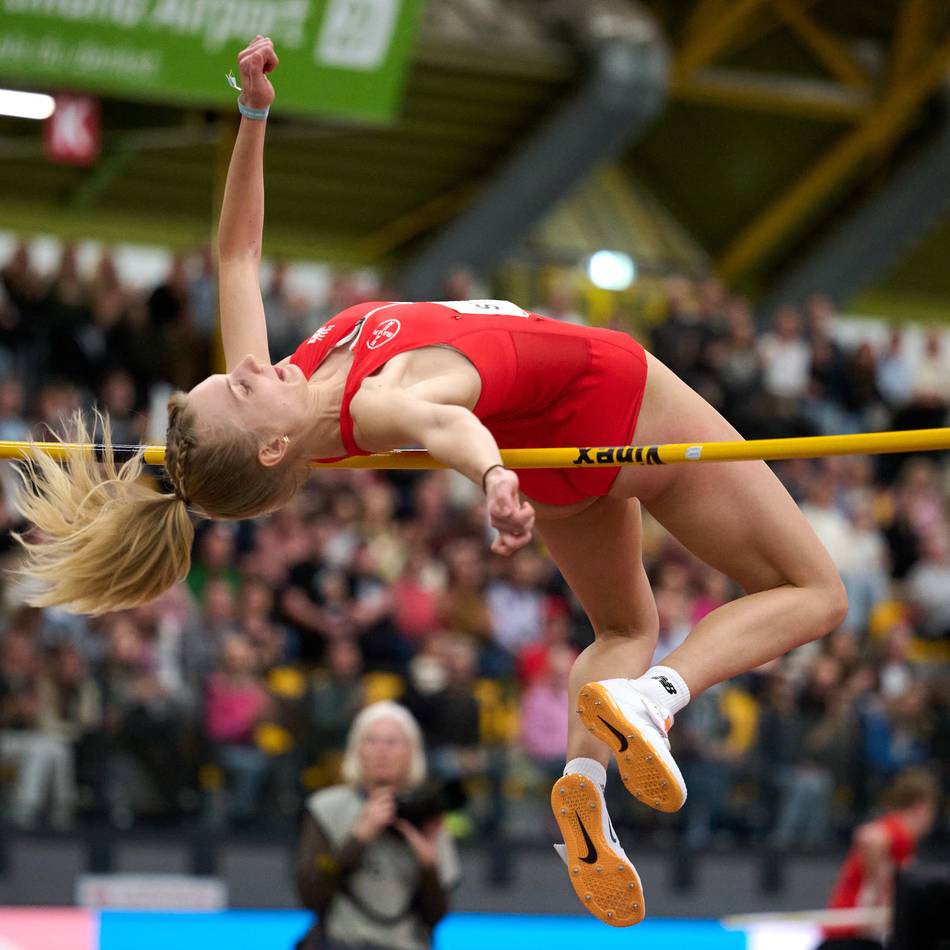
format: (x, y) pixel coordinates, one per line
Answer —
(40, 928)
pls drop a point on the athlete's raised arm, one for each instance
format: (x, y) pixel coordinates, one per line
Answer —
(240, 230)
(388, 418)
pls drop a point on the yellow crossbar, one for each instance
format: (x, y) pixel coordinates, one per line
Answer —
(865, 443)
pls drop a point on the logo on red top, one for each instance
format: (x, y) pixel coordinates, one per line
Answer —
(383, 334)
(321, 333)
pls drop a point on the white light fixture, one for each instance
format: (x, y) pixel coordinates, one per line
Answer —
(611, 270)
(26, 105)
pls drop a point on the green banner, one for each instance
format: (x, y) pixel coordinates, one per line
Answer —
(345, 58)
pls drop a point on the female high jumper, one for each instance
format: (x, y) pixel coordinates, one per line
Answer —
(461, 379)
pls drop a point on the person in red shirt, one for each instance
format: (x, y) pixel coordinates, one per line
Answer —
(880, 848)
(464, 379)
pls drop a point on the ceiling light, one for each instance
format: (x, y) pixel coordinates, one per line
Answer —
(611, 270)
(26, 105)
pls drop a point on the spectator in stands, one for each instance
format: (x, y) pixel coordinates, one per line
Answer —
(928, 586)
(895, 378)
(417, 594)
(828, 368)
(272, 643)
(860, 396)
(23, 321)
(146, 769)
(828, 733)
(70, 706)
(235, 701)
(516, 602)
(555, 633)
(215, 558)
(316, 599)
(828, 520)
(895, 672)
(203, 637)
(203, 294)
(680, 341)
(863, 564)
(446, 708)
(13, 425)
(544, 712)
(389, 545)
(371, 614)
(786, 362)
(737, 365)
(932, 373)
(707, 765)
(336, 695)
(67, 312)
(40, 755)
(285, 324)
(55, 405)
(463, 607)
(374, 879)
(117, 398)
(895, 735)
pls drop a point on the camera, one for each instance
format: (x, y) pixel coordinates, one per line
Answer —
(430, 800)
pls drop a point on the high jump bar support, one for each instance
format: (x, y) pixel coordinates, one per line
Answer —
(864, 443)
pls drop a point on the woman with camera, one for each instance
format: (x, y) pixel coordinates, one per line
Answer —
(378, 881)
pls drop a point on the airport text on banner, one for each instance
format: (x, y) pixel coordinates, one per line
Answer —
(343, 58)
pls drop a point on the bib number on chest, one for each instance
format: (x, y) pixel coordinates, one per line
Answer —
(493, 308)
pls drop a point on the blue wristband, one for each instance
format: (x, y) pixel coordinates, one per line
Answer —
(247, 111)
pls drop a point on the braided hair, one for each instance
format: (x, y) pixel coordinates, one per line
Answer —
(107, 540)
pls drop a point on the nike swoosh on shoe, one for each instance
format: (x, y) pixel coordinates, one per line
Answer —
(603, 877)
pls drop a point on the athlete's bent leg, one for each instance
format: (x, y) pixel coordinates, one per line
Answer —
(598, 552)
(739, 519)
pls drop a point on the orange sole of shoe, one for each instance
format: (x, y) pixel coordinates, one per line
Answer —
(605, 884)
(644, 774)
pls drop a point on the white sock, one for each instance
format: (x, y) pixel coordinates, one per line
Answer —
(665, 687)
(590, 768)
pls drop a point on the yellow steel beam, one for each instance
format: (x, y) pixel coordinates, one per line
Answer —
(785, 95)
(880, 127)
(910, 36)
(824, 46)
(704, 14)
(907, 48)
(702, 48)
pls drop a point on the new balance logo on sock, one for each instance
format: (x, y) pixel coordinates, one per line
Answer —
(666, 684)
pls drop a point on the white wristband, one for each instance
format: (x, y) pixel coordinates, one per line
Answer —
(249, 112)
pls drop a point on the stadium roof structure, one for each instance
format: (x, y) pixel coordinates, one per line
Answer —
(785, 120)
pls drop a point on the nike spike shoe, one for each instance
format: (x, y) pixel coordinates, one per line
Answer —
(603, 878)
(635, 727)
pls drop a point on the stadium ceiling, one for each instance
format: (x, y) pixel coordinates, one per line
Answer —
(784, 116)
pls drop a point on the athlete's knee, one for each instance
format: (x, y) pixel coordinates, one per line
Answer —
(644, 629)
(836, 603)
(829, 600)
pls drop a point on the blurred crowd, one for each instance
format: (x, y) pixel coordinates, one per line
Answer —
(231, 696)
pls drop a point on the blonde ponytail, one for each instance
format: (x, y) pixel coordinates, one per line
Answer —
(106, 540)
